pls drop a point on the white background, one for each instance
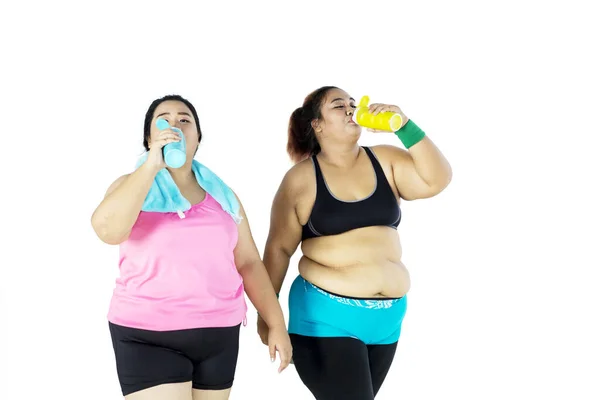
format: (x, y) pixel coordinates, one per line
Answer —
(504, 302)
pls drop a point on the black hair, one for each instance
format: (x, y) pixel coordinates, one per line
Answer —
(152, 109)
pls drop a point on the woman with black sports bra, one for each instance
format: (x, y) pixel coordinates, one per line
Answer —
(341, 203)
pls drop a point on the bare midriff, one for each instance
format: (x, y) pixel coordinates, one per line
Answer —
(363, 263)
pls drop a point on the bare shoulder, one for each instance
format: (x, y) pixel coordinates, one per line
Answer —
(387, 153)
(298, 178)
(298, 190)
(242, 209)
(116, 184)
(392, 157)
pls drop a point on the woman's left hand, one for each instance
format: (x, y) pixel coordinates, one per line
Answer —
(279, 341)
(377, 108)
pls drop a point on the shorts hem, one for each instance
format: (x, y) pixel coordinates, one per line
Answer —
(222, 386)
(130, 389)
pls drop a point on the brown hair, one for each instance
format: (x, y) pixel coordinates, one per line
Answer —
(302, 140)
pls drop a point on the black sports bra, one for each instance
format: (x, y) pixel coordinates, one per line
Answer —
(332, 216)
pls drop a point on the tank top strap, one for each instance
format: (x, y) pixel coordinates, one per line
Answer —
(321, 187)
(376, 165)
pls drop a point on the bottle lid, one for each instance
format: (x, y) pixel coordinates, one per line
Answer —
(162, 124)
(364, 101)
(360, 109)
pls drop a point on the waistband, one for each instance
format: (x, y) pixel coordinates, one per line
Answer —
(352, 301)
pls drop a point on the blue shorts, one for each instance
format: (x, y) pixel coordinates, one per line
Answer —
(315, 312)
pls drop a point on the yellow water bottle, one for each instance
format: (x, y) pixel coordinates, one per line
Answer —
(385, 121)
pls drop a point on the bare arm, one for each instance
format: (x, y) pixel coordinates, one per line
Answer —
(256, 280)
(419, 173)
(285, 233)
(115, 216)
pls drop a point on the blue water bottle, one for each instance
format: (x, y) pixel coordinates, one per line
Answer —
(173, 153)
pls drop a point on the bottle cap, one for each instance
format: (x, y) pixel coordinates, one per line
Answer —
(364, 101)
(162, 124)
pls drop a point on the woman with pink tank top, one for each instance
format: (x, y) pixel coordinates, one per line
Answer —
(178, 304)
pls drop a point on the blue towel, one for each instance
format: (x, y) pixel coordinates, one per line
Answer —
(164, 195)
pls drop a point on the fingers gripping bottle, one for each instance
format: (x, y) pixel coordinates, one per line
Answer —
(384, 121)
(173, 153)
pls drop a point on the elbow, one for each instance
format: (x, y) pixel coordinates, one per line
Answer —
(105, 236)
(443, 181)
(104, 233)
(426, 190)
(249, 267)
(439, 187)
(111, 240)
(275, 250)
(275, 259)
(447, 179)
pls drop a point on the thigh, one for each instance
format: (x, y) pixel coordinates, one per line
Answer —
(216, 360)
(142, 365)
(211, 394)
(333, 368)
(380, 360)
(171, 391)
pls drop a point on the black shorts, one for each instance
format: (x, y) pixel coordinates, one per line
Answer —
(205, 356)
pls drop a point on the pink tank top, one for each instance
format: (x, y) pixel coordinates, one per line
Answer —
(179, 273)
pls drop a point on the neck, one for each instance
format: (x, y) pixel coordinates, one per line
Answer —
(340, 156)
(182, 176)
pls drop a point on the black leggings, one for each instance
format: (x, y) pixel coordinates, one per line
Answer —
(336, 368)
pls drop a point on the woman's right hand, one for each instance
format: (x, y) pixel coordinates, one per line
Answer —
(155, 155)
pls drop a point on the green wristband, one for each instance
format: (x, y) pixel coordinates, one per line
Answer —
(410, 134)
